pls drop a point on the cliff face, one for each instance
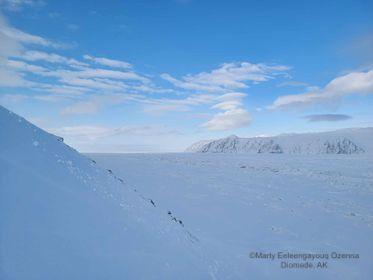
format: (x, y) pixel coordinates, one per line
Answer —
(241, 145)
(343, 146)
(353, 141)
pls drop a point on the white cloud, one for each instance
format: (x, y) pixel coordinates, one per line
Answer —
(81, 76)
(82, 108)
(163, 105)
(97, 102)
(292, 84)
(10, 78)
(12, 98)
(234, 115)
(94, 132)
(16, 5)
(26, 38)
(229, 76)
(13, 43)
(223, 82)
(189, 85)
(54, 77)
(49, 97)
(25, 67)
(64, 90)
(349, 84)
(9, 46)
(33, 55)
(108, 62)
(89, 132)
(227, 105)
(230, 119)
(89, 83)
(231, 96)
(150, 88)
(112, 74)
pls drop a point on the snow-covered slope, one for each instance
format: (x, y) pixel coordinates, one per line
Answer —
(64, 217)
(347, 141)
(240, 204)
(196, 146)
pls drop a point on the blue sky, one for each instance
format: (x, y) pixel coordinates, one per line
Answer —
(153, 76)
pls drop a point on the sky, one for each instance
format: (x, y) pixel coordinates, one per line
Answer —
(156, 76)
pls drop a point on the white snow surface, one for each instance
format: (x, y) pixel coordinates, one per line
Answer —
(345, 141)
(63, 217)
(242, 203)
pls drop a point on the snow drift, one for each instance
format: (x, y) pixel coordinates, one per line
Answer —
(347, 141)
(64, 217)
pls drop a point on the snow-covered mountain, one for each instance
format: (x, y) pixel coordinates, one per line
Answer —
(198, 145)
(346, 141)
(64, 217)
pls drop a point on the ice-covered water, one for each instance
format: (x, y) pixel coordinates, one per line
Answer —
(237, 204)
